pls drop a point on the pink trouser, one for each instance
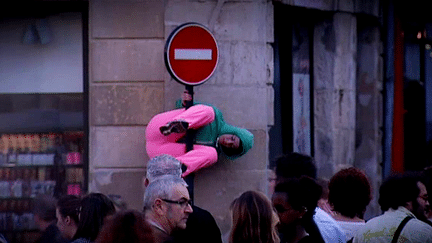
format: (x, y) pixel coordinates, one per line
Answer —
(156, 143)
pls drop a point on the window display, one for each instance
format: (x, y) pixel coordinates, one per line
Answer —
(33, 164)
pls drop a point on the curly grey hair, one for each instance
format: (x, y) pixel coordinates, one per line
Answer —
(163, 165)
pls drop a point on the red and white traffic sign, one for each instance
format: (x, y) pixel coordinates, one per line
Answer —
(191, 54)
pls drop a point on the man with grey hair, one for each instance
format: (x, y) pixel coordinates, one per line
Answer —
(200, 226)
(167, 206)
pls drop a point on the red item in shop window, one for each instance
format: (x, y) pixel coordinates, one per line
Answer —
(73, 158)
(77, 158)
(74, 189)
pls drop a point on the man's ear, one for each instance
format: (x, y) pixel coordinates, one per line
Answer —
(159, 207)
(409, 206)
(68, 220)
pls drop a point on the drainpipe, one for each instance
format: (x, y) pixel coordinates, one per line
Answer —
(398, 112)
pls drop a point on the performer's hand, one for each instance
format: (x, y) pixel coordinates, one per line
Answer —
(186, 97)
(186, 173)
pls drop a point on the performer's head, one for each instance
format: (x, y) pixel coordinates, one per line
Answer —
(230, 144)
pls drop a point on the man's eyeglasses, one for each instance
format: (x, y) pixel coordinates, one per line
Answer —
(424, 197)
(182, 202)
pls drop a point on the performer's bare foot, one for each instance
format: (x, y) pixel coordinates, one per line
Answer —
(174, 126)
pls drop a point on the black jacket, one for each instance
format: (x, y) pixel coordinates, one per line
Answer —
(200, 227)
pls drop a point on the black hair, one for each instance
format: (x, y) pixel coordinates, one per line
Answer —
(303, 193)
(233, 151)
(398, 190)
(294, 165)
(94, 208)
(69, 205)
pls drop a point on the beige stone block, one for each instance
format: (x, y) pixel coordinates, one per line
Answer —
(324, 54)
(344, 109)
(324, 152)
(126, 183)
(251, 18)
(344, 144)
(345, 72)
(215, 190)
(125, 104)
(127, 19)
(179, 12)
(270, 106)
(117, 147)
(367, 7)
(318, 4)
(346, 5)
(323, 109)
(127, 60)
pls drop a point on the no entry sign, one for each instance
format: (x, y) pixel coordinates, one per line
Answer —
(191, 54)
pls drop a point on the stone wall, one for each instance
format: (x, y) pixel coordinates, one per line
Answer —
(335, 43)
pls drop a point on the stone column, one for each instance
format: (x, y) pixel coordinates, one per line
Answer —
(126, 44)
(368, 154)
(335, 47)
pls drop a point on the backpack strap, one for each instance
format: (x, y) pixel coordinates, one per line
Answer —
(399, 229)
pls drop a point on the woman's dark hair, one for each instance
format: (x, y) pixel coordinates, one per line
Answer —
(69, 205)
(254, 220)
(398, 190)
(94, 209)
(303, 193)
(350, 192)
(126, 226)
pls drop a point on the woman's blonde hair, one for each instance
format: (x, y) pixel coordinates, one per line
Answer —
(253, 219)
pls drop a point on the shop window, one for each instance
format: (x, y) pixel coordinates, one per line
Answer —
(43, 97)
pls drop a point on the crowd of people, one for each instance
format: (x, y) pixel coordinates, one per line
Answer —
(301, 209)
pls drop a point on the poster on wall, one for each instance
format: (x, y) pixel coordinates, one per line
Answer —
(301, 114)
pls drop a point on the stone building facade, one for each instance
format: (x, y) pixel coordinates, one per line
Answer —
(331, 48)
(128, 84)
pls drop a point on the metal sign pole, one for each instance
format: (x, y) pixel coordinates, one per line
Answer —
(190, 136)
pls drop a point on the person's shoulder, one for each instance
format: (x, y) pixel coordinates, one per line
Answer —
(81, 240)
(200, 211)
(2, 239)
(200, 216)
(419, 226)
(324, 218)
(328, 227)
(417, 231)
